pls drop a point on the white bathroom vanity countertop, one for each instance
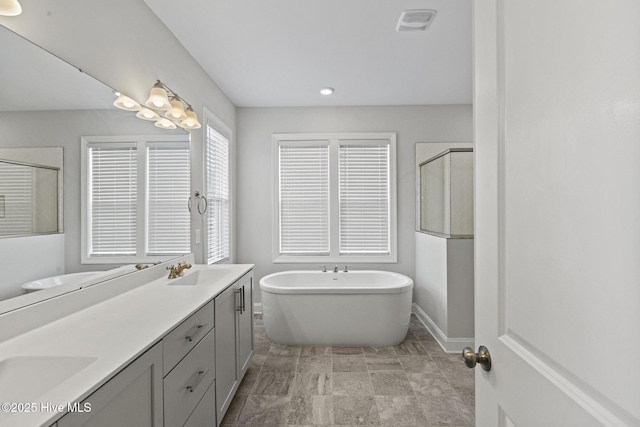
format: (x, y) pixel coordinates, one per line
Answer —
(114, 332)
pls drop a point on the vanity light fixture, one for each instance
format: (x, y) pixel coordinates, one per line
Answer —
(164, 123)
(177, 110)
(155, 108)
(191, 122)
(327, 90)
(125, 103)
(158, 98)
(147, 114)
(10, 8)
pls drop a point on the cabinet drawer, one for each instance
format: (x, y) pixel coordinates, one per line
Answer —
(185, 336)
(205, 413)
(185, 386)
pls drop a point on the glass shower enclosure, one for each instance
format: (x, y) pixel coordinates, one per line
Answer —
(446, 194)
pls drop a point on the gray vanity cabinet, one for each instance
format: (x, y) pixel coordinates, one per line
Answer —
(234, 340)
(133, 398)
(245, 324)
(187, 379)
(226, 360)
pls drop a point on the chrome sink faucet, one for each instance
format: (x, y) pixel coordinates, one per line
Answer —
(335, 269)
(346, 268)
(175, 272)
(324, 268)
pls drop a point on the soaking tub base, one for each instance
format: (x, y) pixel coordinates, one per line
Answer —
(363, 308)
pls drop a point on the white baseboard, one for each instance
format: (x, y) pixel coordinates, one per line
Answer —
(257, 308)
(450, 345)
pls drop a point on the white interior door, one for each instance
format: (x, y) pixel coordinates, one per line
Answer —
(557, 140)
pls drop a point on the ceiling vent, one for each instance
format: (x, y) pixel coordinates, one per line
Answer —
(415, 20)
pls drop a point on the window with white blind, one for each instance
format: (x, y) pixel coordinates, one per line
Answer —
(335, 198)
(218, 190)
(304, 199)
(364, 199)
(167, 196)
(113, 200)
(134, 198)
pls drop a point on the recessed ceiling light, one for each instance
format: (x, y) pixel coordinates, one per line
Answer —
(327, 90)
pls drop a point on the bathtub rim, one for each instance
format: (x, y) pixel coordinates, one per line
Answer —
(407, 286)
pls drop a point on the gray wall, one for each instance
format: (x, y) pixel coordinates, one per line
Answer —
(445, 123)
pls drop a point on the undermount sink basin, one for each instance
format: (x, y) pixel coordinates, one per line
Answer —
(200, 277)
(25, 378)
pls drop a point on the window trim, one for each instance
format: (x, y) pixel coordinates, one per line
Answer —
(334, 141)
(111, 141)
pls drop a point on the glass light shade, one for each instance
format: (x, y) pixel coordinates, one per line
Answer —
(147, 114)
(177, 111)
(191, 122)
(158, 99)
(10, 8)
(125, 103)
(165, 124)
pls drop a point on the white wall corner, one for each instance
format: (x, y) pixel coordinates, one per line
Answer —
(449, 345)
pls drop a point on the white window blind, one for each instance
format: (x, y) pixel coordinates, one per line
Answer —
(304, 199)
(335, 198)
(113, 197)
(218, 191)
(364, 199)
(168, 219)
(134, 198)
(16, 188)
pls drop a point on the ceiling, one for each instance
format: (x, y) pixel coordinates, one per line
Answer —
(282, 52)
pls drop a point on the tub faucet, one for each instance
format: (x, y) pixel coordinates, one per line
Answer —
(335, 269)
(174, 272)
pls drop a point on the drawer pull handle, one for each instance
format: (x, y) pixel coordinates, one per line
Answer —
(198, 330)
(201, 375)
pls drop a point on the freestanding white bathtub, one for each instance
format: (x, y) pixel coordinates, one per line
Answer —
(357, 308)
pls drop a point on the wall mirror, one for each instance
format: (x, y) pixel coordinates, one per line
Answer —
(46, 106)
(36, 83)
(435, 213)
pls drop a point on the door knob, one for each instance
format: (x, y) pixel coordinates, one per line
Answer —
(482, 357)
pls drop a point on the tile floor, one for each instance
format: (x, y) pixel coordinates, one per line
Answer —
(412, 384)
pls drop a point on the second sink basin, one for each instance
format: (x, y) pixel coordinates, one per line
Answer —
(25, 378)
(205, 276)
